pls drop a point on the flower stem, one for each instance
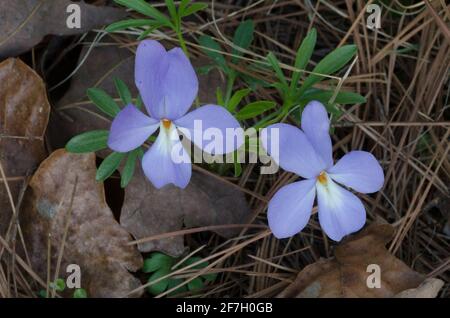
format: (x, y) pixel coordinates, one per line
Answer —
(181, 41)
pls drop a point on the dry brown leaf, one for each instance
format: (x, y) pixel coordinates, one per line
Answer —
(346, 274)
(24, 23)
(75, 114)
(95, 241)
(428, 289)
(24, 111)
(147, 211)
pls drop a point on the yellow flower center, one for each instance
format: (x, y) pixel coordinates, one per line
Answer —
(322, 178)
(166, 123)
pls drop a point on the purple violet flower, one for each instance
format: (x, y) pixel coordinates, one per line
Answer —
(168, 86)
(308, 153)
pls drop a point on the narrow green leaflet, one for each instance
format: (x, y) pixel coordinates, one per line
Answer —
(330, 64)
(103, 101)
(255, 109)
(109, 165)
(123, 91)
(149, 30)
(138, 102)
(130, 165)
(130, 23)
(146, 9)
(243, 37)
(213, 49)
(282, 89)
(237, 169)
(195, 7)
(273, 61)
(204, 69)
(303, 55)
(219, 97)
(253, 82)
(172, 9)
(182, 6)
(236, 98)
(325, 96)
(90, 141)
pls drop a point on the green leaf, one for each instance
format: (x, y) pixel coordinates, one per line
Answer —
(157, 261)
(172, 10)
(273, 61)
(139, 102)
(175, 282)
(282, 89)
(80, 293)
(204, 69)
(109, 165)
(195, 284)
(160, 286)
(236, 98)
(304, 54)
(103, 101)
(123, 91)
(182, 6)
(42, 293)
(213, 49)
(128, 169)
(330, 64)
(146, 9)
(195, 7)
(90, 141)
(254, 109)
(149, 30)
(210, 277)
(237, 165)
(125, 24)
(335, 111)
(58, 285)
(237, 169)
(219, 97)
(243, 37)
(254, 82)
(194, 259)
(324, 97)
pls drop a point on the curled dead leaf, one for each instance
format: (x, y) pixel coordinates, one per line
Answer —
(24, 23)
(347, 274)
(147, 211)
(67, 203)
(24, 112)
